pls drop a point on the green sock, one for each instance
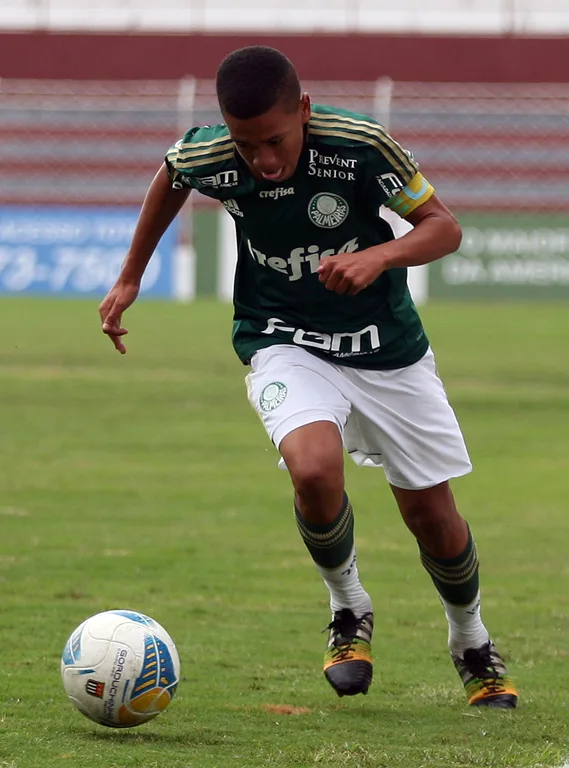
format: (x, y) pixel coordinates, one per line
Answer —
(455, 578)
(329, 544)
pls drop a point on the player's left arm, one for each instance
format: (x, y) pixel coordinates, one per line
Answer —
(435, 233)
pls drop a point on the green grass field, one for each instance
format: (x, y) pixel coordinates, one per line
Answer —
(147, 482)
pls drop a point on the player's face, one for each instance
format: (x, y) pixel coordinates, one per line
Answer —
(271, 144)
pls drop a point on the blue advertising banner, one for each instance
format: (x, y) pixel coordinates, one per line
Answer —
(75, 251)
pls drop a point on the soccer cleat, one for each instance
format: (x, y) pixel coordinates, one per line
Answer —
(347, 661)
(485, 678)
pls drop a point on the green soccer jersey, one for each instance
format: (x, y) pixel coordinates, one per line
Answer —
(348, 168)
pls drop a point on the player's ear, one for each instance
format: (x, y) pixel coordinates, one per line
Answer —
(305, 107)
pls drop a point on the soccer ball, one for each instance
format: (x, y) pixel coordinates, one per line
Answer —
(120, 668)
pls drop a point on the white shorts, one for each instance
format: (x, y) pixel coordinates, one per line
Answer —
(399, 419)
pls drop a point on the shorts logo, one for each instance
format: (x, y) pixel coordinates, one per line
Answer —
(327, 210)
(94, 688)
(272, 396)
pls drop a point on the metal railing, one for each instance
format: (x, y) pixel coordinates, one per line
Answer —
(482, 146)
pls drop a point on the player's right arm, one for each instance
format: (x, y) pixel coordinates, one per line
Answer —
(160, 207)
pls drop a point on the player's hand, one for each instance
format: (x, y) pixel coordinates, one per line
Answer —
(117, 300)
(351, 272)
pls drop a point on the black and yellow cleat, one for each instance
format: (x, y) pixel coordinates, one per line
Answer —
(347, 661)
(485, 678)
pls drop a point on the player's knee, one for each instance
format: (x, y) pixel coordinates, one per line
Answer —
(316, 478)
(423, 519)
(430, 521)
(427, 511)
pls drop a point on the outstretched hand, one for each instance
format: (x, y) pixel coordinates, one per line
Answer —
(117, 301)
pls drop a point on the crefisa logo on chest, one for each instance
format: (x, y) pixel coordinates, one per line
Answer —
(328, 210)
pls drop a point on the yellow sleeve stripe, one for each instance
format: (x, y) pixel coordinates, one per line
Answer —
(333, 117)
(189, 154)
(183, 164)
(417, 192)
(367, 127)
(404, 167)
(370, 133)
(201, 147)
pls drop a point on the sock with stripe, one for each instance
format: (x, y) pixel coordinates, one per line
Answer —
(332, 549)
(457, 581)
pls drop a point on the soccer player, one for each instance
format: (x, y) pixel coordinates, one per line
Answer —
(338, 355)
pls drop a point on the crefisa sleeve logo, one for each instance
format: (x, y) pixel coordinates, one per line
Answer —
(272, 396)
(328, 210)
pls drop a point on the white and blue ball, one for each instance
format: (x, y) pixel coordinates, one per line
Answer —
(120, 668)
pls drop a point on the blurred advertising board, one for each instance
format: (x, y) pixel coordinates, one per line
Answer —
(76, 251)
(506, 256)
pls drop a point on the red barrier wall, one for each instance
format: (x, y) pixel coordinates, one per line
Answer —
(318, 57)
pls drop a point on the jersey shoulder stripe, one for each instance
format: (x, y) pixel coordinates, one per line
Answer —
(357, 128)
(209, 158)
(201, 146)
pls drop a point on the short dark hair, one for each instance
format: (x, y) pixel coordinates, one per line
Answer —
(250, 81)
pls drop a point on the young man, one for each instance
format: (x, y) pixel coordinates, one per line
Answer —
(339, 358)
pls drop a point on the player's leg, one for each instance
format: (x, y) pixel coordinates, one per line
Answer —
(303, 413)
(314, 457)
(449, 555)
(408, 414)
